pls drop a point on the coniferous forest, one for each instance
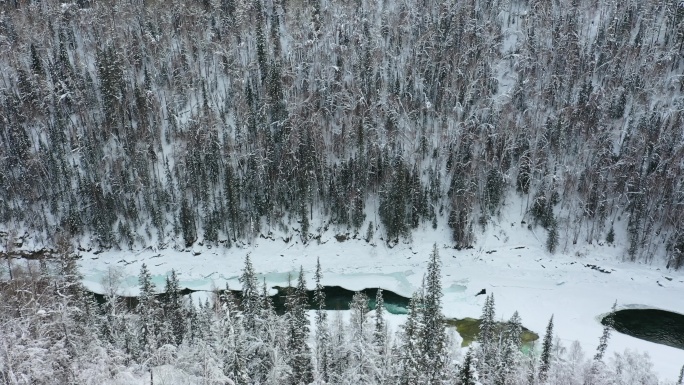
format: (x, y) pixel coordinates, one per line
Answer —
(53, 332)
(127, 124)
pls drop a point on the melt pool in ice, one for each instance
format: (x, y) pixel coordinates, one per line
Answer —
(654, 325)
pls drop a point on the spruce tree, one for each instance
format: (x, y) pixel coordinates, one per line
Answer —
(380, 332)
(363, 360)
(322, 330)
(260, 38)
(552, 240)
(510, 351)
(467, 375)
(380, 340)
(174, 314)
(36, 63)
(299, 354)
(147, 313)
(79, 323)
(546, 351)
(434, 339)
(514, 330)
(187, 222)
(680, 381)
(410, 369)
(250, 295)
(487, 348)
(369, 232)
(359, 308)
(233, 340)
(610, 238)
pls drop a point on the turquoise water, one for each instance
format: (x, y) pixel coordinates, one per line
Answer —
(336, 298)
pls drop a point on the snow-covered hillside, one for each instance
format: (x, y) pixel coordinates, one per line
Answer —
(142, 124)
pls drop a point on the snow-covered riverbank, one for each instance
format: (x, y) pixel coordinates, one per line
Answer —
(577, 289)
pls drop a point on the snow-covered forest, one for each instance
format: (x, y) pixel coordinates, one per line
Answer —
(127, 124)
(52, 332)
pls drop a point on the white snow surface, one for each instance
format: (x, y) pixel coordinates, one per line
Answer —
(509, 261)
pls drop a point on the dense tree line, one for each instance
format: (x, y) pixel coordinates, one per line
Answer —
(142, 123)
(53, 332)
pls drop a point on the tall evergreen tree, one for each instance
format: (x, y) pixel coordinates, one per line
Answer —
(509, 352)
(359, 308)
(299, 354)
(148, 320)
(467, 374)
(187, 222)
(552, 239)
(79, 319)
(251, 302)
(410, 365)
(545, 358)
(361, 366)
(174, 312)
(380, 342)
(434, 339)
(487, 346)
(380, 332)
(322, 328)
(233, 343)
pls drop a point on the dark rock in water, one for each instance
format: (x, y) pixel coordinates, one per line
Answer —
(483, 291)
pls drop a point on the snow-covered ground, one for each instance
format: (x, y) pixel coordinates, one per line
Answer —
(509, 261)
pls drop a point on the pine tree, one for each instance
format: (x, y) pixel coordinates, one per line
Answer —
(233, 343)
(466, 375)
(434, 340)
(552, 240)
(36, 63)
(486, 350)
(79, 320)
(510, 351)
(322, 330)
(546, 351)
(610, 238)
(358, 215)
(250, 295)
(514, 330)
(304, 222)
(680, 380)
(380, 340)
(113, 322)
(359, 308)
(174, 314)
(380, 332)
(494, 190)
(410, 369)
(299, 354)
(361, 366)
(260, 38)
(524, 172)
(187, 222)
(369, 232)
(147, 313)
